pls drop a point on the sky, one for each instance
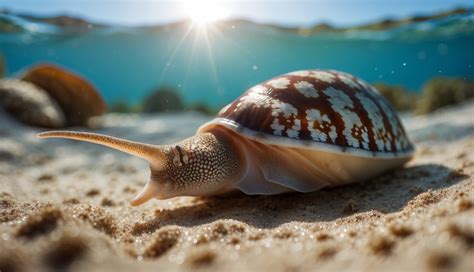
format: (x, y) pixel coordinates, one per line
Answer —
(280, 12)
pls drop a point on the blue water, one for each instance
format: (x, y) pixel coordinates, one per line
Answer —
(126, 63)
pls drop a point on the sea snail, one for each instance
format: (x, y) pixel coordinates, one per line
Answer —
(296, 132)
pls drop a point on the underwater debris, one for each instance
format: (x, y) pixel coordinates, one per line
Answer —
(30, 104)
(78, 99)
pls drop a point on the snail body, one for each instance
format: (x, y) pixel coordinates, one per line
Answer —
(300, 131)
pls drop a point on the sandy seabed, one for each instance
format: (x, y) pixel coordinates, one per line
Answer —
(64, 205)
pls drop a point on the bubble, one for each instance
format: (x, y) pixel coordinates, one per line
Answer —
(255, 67)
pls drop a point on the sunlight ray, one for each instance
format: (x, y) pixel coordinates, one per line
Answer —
(211, 60)
(173, 54)
(237, 46)
(191, 59)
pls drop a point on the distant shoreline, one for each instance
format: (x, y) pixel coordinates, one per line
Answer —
(69, 23)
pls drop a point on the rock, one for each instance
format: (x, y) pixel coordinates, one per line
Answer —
(78, 99)
(165, 99)
(30, 104)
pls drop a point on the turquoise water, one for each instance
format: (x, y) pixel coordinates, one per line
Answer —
(126, 63)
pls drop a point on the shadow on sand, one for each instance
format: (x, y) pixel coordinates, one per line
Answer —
(387, 194)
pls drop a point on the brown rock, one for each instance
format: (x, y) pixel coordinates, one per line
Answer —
(30, 104)
(77, 97)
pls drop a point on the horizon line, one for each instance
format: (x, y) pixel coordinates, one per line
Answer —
(465, 9)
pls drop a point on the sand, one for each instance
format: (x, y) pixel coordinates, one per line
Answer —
(64, 205)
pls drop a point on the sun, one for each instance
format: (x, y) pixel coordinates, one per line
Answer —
(204, 12)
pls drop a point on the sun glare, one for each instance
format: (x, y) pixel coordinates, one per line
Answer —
(204, 12)
(202, 33)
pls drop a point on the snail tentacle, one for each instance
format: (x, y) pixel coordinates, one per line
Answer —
(152, 153)
(148, 192)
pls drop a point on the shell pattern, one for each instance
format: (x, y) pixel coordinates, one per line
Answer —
(329, 110)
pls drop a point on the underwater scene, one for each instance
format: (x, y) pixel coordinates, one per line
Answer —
(236, 135)
(213, 65)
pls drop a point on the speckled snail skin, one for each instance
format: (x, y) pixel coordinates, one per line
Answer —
(296, 132)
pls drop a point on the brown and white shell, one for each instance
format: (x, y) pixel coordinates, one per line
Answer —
(314, 128)
(77, 97)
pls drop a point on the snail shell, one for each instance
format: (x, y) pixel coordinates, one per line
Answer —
(310, 129)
